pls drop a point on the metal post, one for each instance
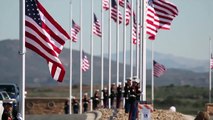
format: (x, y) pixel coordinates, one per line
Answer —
(131, 43)
(81, 40)
(210, 70)
(117, 51)
(152, 73)
(22, 52)
(91, 48)
(70, 22)
(143, 75)
(102, 52)
(124, 48)
(110, 51)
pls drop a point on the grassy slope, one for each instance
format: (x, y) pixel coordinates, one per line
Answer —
(186, 99)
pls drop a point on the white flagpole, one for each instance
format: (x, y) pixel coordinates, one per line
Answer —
(124, 49)
(81, 40)
(143, 74)
(70, 21)
(110, 7)
(152, 73)
(137, 38)
(141, 46)
(117, 51)
(102, 52)
(210, 70)
(141, 42)
(131, 44)
(91, 42)
(22, 52)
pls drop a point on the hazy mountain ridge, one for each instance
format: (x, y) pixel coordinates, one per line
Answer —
(170, 61)
(37, 72)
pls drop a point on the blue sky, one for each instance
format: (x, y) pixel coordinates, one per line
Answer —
(188, 37)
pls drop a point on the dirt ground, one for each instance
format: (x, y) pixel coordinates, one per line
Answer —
(156, 115)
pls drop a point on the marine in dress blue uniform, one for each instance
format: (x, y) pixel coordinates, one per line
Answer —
(85, 102)
(133, 100)
(105, 97)
(127, 94)
(118, 95)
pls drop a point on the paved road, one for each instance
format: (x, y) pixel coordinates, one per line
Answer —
(189, 117)
(57, 117)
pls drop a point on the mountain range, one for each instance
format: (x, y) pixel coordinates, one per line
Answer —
(169, 61)
(180, 71)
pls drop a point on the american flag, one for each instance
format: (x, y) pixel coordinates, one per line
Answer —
(96, 26)
(211, 62)
(134, 31)
(105, 4)
(85, 63)
(45, 37)
(75, 30)
(121, 3)
(114, 12)
(128, 10)
(128, 13)
(160, 14)
(158, 69)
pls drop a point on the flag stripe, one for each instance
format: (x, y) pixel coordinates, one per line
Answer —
(31, 29)
(60, 30)
(106, 4)
(35, 40)
(38, 49)
(56, 63)
(160, 14)
(166, 7)
(56, 72)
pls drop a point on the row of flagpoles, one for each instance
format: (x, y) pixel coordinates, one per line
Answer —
(47, 38)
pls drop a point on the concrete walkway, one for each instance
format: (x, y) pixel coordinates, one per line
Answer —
(188, 117)
(56, 117)
(94, 115)
(90, 116)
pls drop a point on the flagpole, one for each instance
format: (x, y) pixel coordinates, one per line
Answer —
(131, 44)
(152, 73)
(137, 39)
(117, 43)
(210, 70)
(91, 48)
(102, 52)
(81, 57)
(22, 51)
(109, 51)
(124, 49)
(143, 75)
(141, 42)
(70, 24)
